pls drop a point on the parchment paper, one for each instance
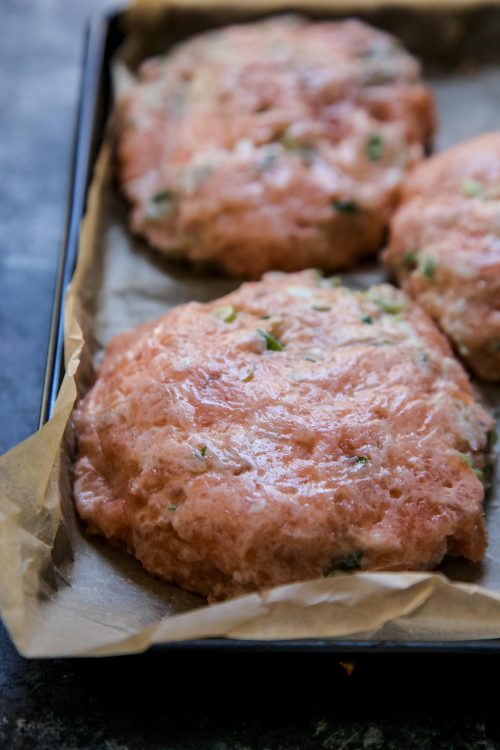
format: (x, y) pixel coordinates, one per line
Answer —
(63, 593)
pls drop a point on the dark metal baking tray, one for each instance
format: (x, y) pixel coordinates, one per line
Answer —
(454, 38)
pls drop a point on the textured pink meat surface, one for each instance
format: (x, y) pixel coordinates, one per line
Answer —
(283, 432)
(445, 247)
(274, 145)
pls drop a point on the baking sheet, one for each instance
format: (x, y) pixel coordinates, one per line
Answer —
(63, 593)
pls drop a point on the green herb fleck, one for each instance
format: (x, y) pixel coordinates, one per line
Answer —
(391, 306)
(492, 438)
(172, 507)
(422, 359)
(248, 377)
(360, 459)
(428, 268)
(410, 258)
(264, 317)
(321, 308)
(271, 343)
(378, 77)
(472, 189)
(367, 319)
(305, 151)
(267, 162)
(374, 148)
(479, 474)
(227, 313)
(466, 459)
(201, 452)
(345, 206)
(333, 281)
(309, 358)
(163, 195)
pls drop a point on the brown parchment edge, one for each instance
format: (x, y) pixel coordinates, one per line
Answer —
(371, 605)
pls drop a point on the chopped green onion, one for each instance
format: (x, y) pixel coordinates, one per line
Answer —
(334, 280)
(367, 319)
(391, 306)
(172, 507)
(467, 459)
(410, 258)
(479, 474)
(492, 438)
(428, 268)
(360, 459)
(345, 206)
(321, 308)
(163, 195)
(267, 162)
(227, 313)
(374, 148)
(248, 377)
(201, 452)
(305, 151)
(264, 317)
(271, 343)
(309, 358)
(472, 189)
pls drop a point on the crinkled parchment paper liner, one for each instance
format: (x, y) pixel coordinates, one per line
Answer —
(64, 594)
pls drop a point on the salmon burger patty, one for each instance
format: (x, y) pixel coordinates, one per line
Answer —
(274, 145)
(285, 431)
(445, 247)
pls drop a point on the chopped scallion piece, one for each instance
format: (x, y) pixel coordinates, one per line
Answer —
(345, 206)
(163, 195)
(367, 319)
(410, 258)
(321, 308)
(227, 313)
(334, 280)
(391, 306)
(360, 459)
(271, 343)
(374, 148)
(428, 268)
(472, 189)
(248, 377)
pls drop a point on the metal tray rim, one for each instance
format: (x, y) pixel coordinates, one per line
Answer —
(86, 130)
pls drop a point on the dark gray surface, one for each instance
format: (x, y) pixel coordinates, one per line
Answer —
(159, 701)
(40, 54)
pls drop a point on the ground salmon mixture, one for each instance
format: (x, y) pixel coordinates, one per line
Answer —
(290, 430)
(445, 247)
(274, 145)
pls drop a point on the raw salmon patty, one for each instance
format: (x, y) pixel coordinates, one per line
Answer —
(445, 247)
(274, 145)
(286, 431)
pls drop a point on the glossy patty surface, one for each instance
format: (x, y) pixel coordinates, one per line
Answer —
(288, 430)
(275, 145)
(445, 247)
